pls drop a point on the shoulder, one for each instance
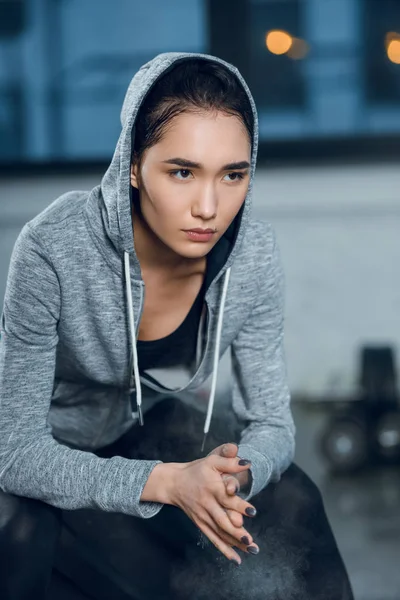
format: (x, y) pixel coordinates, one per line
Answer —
(60, 219)
(258, 269)
(258, 249)
(60, 214)
(264, 233)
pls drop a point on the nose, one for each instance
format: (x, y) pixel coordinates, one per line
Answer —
(206, 203)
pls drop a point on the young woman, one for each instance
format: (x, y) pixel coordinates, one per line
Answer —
(134, 290)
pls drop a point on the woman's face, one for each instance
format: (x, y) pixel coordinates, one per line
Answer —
(196, 176)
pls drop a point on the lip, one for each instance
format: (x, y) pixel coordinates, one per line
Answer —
(199, 235)
(199, 230)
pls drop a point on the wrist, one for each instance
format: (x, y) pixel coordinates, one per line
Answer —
(161, 483)
(245, 480)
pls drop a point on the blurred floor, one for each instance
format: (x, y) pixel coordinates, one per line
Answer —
(364, 510)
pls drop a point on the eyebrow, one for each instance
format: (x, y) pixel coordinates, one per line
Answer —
(188, 164)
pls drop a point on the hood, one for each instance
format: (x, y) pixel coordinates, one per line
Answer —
(115, 185)
(114, 196)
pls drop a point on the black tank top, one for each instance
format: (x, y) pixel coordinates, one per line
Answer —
(177, 348)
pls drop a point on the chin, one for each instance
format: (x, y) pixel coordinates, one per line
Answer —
(193, 250)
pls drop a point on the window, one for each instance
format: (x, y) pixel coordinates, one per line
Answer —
(65, 67)
(12, 17)
(275, 78)
(381, 42)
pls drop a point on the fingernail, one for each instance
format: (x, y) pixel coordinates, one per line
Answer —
(250, 511)
(243, 462)
(253, 550)
(245, 540)
(235, 562)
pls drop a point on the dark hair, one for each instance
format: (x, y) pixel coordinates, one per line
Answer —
(191, 85)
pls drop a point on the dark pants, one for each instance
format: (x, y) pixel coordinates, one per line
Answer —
(298, 559)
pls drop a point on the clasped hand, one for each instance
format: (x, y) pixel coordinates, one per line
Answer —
(233, 482)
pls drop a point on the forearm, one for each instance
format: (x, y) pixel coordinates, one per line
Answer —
(72, 479)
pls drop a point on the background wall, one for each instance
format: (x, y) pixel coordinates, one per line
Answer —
(338, 230)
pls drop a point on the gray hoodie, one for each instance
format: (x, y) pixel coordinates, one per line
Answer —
(68, 360)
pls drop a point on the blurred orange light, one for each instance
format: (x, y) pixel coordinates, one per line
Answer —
(393, 51)
(299, 49)
(390, 36)
(278, 42)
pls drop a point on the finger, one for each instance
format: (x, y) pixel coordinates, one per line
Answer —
(228, 450)
(230, 540)
(231, 483)
(222, 546)
(232, 488)
(229, 465)
(243, 544)
(222, 522)
(235, 518)
(217, 451)
(237, 504)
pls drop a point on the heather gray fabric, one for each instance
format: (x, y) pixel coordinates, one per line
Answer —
(65, 354)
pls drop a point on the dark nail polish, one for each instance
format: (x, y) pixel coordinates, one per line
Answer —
(253, 550)
(235, 562)
(243, 462)
(245, 540)
(250, 511)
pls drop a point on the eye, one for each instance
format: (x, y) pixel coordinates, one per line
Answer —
(185, 173)
(235, 176)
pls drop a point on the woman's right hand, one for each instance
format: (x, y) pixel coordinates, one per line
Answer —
(199, 490)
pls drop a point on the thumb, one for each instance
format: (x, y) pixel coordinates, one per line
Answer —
(230, 465)
(229, 450)
(231, 483)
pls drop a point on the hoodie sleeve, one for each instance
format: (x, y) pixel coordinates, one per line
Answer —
(32, 463)
(261, 395)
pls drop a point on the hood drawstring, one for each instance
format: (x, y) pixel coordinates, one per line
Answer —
(132, 332)
(216, 357)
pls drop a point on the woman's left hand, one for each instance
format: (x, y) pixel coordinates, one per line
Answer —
(233, 483)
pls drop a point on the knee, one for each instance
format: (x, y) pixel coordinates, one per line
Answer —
(293, 500)
(298, 488)
(23, 520)
(9, 506)
(29, 530)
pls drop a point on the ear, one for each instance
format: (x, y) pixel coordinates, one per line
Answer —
(134, 176)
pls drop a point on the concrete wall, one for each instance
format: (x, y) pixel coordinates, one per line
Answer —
(339, 233)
